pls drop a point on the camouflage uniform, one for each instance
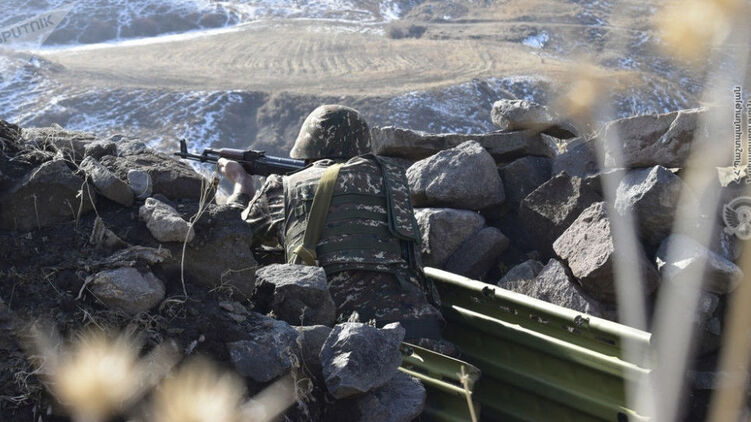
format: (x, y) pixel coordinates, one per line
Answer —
(381, 282)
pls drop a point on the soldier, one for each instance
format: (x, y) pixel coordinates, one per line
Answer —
(349, 212)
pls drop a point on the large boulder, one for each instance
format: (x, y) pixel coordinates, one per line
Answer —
(588, 248)
(416, 145)
(444, 230)
(521, 177)
(358, 358)
(461, 177)
(650, 140)
(554, 285)
(679, 255)
(106, 183)
(220, 255)
(551, 208)
(171, 178)
(127, 289)
(268, 352)
(47, 195)
(297, 294)
(511, 115)
(164, 222)
(651, 195)
(478, 254)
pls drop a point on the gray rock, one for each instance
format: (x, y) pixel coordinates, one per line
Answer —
(511, 115)
(140, 183)
(102, 237)
(416, 145)
(651, 195)
(298, 294)
(106, 183)
(587, 248)
(269, 351)
(46, 196)
(71, 145)
(579, 159)
(310, 341)
(402, 399)
(554, 285)
(171, 178)
(358, 358)
(478, 254)
(650, 140)
(220, 255)
(551, 208)
(720, 276)
(598, 181)
(526, 271)
(521, 177)
(444, 230)
(99, 149)
(461, 177)
(127, 289)
(164, 222)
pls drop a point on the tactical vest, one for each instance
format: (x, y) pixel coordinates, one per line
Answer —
(370, 223)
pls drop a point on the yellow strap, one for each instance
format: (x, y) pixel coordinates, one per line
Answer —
(306, 253)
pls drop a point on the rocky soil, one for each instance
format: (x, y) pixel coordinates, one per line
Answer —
(108, 233)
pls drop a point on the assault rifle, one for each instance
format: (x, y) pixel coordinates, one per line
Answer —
(254, 162)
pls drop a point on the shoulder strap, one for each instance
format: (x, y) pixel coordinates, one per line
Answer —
(306, 253)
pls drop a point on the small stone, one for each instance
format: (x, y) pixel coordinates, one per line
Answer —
(358, 358)
(527, 270)
(511, 115)
(127, 289)
(267, 353)
(478, 254)
(140, 183)
(554, 285)
(579, 159)
(99, 149)
(402, 399)
(444, 230)
(164, 222)
(106, 183)
(679, 255)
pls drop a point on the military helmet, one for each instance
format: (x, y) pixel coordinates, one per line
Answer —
(332, 131)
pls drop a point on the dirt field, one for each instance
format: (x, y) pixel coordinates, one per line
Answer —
(333, 58)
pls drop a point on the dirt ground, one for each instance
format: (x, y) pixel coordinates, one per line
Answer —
(336, 58)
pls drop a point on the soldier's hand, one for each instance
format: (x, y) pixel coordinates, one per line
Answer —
(235, 173)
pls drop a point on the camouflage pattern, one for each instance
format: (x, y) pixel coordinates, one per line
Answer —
(332, 131)
(361, 230)
(380, 296)
(265, 213)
